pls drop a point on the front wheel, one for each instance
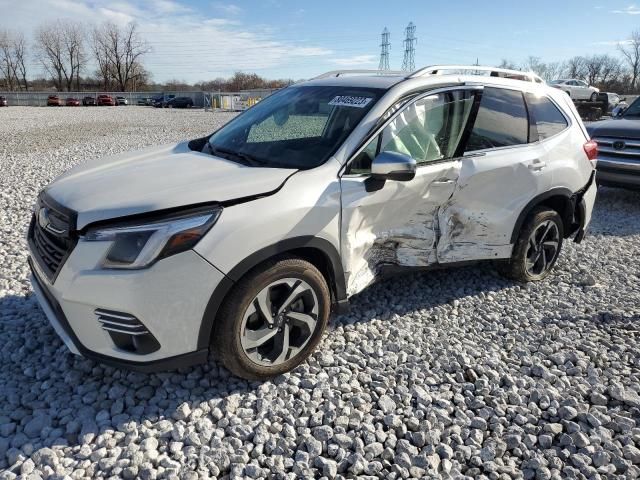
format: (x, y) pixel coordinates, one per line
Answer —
(538, 247)
(273, 319)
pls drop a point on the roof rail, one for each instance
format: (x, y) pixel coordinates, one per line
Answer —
(494, 71)
(339, 73)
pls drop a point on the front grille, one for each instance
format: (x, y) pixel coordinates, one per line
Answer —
(618, 148)
(50, 236)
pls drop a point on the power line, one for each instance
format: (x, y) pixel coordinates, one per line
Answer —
(410, 41)
(384, 52)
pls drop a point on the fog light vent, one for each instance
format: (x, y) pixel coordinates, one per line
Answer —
(127, 332)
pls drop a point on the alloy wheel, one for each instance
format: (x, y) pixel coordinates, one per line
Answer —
(542, 248)
(279, 322)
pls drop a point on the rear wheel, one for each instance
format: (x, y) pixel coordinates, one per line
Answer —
(538, 247)
(273, 319)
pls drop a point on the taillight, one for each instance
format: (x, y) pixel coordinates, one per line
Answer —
(591, 149)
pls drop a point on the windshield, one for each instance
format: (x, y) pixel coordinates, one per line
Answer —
(633, 110)
(297, 127)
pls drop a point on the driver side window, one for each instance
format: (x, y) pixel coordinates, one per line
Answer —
(428, 130)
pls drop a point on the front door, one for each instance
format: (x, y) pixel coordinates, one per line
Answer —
(396, 223)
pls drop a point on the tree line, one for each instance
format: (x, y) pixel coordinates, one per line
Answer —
(613, 73)
(65, 49)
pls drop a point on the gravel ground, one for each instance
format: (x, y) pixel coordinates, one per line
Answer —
(431, 375)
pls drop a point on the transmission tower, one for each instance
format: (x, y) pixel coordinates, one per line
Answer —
(410, 41)
(384, 52)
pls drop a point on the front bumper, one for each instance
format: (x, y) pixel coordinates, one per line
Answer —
(169, 298)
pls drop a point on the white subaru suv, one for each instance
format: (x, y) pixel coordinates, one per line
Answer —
(242, 243)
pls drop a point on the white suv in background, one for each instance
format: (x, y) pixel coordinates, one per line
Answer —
(576, 89)
(244, 241)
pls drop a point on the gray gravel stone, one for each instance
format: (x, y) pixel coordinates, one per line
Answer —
(456, 374)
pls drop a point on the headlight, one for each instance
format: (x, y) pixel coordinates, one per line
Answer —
(139, 245)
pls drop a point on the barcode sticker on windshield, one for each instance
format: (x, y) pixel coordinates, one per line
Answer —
(349, 101)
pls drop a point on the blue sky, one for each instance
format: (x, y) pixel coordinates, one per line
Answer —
(195, 40)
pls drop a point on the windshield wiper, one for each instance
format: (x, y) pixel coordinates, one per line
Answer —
(244, 157)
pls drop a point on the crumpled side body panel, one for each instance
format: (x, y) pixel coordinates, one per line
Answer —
(396, 225)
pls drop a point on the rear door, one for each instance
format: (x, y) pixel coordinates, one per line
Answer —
(394, 224)
(500, 172)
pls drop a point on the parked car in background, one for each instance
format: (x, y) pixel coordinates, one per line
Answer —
(242, 242)
(161, 101)
(618, 142)
(122, 101)
(180, 102)
(145, 101)
(54, 101)
(106, 100)
(613, 99)
(576, 89)
(3, 101)
(88, 100)
(72, 102)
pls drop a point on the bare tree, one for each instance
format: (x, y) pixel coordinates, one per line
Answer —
(610, 71)
(630, 51)
(575, 68)
(593, 66)
(19, 49)
(505, 63)
(60, 46)
(7, 61)
(73, 37)
(121, 51)
(50, 48)
(99, 47)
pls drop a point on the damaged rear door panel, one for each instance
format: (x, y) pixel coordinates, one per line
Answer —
(500, 173)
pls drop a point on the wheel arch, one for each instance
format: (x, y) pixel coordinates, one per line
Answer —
(560, 199)
(317, 251)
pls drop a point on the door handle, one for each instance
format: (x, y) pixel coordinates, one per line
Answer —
(442, 181)
(537, 165)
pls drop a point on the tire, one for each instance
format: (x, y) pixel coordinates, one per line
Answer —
(524, 252)
(594, 96)
(241, 327)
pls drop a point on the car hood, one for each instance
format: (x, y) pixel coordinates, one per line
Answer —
(158, 178)
(622, 127)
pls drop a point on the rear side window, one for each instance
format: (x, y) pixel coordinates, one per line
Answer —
(545, 118)
(502, 121)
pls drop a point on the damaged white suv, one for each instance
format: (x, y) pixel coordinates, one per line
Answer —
(243, 242)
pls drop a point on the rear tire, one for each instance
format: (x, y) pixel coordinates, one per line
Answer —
(273, 319)
(537, 248)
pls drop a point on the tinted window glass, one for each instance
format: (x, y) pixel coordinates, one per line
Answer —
(502, 121)
(546, 118)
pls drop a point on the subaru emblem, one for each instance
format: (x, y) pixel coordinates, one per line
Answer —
(619, 145)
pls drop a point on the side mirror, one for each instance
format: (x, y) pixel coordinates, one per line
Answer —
(393, 166)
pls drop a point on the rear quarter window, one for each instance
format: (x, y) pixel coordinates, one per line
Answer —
(546, 119)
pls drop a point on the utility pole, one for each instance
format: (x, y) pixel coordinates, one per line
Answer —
(384, 52)
(410, 41)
